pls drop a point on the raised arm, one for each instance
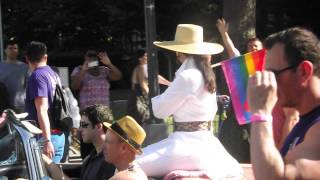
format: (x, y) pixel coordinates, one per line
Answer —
(78, 74)
(223, 28)
(115, 73)
(163, 80)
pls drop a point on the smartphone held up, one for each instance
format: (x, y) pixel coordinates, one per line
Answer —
(94, 61)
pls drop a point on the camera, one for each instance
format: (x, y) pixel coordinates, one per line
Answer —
(93, 63)
(94, 60)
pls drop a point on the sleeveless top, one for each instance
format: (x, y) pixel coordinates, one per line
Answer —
(297, 134)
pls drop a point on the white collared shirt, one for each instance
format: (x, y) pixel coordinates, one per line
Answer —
(186, 98)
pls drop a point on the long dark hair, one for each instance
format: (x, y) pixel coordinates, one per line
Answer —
(209, 77)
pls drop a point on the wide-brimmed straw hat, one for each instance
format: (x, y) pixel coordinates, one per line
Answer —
(189, 39)
(129, 131)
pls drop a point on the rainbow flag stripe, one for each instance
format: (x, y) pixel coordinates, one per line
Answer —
(236, 71)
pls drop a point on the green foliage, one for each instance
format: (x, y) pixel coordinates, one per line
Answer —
(70, 24)
(81, 23)
(171, 13)
(170, 124)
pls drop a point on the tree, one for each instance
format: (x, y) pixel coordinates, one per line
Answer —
(69, 27)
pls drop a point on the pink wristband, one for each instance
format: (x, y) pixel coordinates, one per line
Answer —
(260, 118)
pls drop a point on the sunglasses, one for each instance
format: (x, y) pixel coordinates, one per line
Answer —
(278, 72)
(84, 125)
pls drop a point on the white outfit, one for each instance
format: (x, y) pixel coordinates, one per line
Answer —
(187, 100)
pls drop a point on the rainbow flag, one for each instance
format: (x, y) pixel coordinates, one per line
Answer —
(236, 71)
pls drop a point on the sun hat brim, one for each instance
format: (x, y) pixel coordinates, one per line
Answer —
(200, 48)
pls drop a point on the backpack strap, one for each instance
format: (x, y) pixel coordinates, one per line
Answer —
(57, 79)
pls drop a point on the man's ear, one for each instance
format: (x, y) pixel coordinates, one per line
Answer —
(125, 148)
(45, 57)
(305, 70)
(99, 126)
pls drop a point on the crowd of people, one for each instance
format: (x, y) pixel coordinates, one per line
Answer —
(284, 100)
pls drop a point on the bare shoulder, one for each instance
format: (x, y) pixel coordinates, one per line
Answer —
(314, 130)
(118, 176)
(139, 69)
(310, 147)
(132, 174)
(123, 175)
(304, 159)
(311, 141)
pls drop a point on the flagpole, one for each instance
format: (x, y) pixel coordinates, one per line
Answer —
(216, 65)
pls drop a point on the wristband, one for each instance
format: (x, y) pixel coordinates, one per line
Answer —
(260, 118)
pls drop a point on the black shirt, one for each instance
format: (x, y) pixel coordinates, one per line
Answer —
(95, 167)
(296, 136)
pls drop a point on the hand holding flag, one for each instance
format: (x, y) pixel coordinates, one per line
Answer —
(262, 94)
(237, 71)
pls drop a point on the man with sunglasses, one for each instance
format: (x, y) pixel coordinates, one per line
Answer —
(92, 131)
(292, 78)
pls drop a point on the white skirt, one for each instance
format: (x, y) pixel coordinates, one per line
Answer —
(198, 150)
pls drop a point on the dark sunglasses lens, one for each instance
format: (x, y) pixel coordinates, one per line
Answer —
(84, 125)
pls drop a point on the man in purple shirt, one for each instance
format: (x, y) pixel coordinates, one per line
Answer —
(39, 97)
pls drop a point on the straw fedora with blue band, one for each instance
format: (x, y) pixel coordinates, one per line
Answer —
(129, 131)
(189, 39)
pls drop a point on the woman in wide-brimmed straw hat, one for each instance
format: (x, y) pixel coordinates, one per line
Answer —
(191, 99)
